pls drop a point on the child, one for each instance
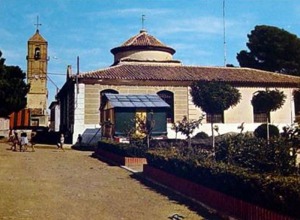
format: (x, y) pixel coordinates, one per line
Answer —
(11, 138)
(61, 142)
(15, 141)
(24, 142)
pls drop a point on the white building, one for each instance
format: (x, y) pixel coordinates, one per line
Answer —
(144, 65)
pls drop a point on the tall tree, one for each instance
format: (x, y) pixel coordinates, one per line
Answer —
(272, 49)
(268, 101)
(214, 97)
(13, 89)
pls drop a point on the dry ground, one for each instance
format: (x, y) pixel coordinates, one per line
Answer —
(51, 184)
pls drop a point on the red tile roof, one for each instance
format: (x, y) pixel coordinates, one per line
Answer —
(142, 40)
(190, 73)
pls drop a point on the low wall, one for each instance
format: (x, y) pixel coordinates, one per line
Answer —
(224, 204)
(135, 163)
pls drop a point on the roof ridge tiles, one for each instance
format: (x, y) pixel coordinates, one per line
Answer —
(126, 71)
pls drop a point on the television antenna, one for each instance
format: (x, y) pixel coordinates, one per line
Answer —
(224, 34)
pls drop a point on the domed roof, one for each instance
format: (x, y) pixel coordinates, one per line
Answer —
(143, 41)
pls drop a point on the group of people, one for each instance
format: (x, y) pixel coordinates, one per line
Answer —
(21, 142)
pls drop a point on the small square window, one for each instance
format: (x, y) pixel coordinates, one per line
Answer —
(216, 118)
(260, 117)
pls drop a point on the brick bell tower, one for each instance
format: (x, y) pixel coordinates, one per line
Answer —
(37, 61)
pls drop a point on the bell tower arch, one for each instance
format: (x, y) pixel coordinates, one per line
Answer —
(37, 62)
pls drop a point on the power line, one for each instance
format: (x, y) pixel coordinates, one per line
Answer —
(57, 89)
(60, 74)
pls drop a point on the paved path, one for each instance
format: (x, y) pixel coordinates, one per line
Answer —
(51, 184)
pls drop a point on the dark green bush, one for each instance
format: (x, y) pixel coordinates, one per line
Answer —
(201, 135)
(167, 143)
(261, 131)
(123, 149)
(257, 155)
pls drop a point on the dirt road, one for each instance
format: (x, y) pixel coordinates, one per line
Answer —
(51, 184)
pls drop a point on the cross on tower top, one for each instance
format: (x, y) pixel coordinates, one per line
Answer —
(37, 24)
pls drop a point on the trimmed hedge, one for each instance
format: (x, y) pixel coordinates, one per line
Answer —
(123, 149)
(278, 193)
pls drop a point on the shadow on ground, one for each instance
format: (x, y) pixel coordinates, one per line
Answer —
(104, 160)
(173, 196)
(83, 147)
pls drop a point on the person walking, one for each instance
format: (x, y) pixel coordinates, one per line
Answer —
(11, 138)
(79, 140)
(32, 141)
(16, 141)
(61, 142)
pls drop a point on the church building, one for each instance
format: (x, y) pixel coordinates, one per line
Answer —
(144, 65)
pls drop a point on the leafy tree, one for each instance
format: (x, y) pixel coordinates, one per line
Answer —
(265, 101)
(13, 89)
(272, 49)
(214, 97)
(187, 127)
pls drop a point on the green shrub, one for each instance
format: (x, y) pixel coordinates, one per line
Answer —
(167, 143)
(201, 135)
(257, 155)
(261, 131)
(123, 149)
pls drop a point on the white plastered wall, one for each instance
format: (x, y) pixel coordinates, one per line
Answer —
(147, 55)
(243, 113)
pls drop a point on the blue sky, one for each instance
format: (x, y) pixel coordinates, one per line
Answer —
(91, 28)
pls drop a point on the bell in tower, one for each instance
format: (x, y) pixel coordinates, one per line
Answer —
(37, 53)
